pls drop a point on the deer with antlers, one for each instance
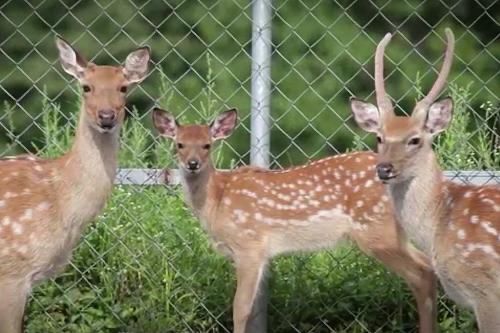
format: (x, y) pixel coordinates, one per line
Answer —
(457, 225)
(254, 214)
(45, 204)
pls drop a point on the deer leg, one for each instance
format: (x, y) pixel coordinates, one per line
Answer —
(487, 313)
(249, 273)
(13, 295)
(414, 267)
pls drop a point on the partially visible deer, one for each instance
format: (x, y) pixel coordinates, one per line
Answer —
(458, 225)
(45, 204)
(253, 214)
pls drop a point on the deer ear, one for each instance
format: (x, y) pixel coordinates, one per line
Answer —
(439, 116)
(224, 124)
(71, 61)
(165, 123)
(366, 115)
(136, 64)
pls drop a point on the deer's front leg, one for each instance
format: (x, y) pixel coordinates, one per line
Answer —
(13, 295)
(249, 272)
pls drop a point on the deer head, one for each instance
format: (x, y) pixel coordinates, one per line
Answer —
(104, 87)
(403, 141)
(194, 142)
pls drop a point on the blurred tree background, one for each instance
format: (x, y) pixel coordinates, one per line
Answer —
(322, 54)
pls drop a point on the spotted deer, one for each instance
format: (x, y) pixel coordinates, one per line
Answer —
(253, 214)
(46, 203)
(457, 225)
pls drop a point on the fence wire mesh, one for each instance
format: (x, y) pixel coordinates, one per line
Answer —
(145, 265)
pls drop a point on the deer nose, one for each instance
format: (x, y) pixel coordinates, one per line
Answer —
(385, 170)
(106, 118)
(193, 165)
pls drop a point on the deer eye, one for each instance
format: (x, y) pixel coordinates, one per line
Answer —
(180, 146)
(123, 89)
(86, 88)
(414, 141)
(379, 139)
(206, 147)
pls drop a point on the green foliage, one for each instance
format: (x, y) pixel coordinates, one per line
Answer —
(322, 54)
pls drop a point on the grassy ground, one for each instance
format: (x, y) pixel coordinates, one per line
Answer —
(146, 266)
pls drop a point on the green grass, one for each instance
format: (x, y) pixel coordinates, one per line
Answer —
(146, 265)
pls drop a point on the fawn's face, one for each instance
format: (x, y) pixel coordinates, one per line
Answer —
(402, 141)
(104, 87)
(194, 142)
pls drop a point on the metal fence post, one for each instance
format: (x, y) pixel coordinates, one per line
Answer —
(261, 82)
(260, 126)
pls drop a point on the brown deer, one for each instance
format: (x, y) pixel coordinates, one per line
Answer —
(457, 225)
(45, 204)
(254, 214)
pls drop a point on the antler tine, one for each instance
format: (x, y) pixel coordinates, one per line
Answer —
(443, 73)
(383, 101)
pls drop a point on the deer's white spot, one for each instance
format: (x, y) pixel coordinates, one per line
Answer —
(17, 229)
(474, 219)
(385, 198)
(226, 201)
(461, 234)
(42, 206)
(2, 203)
(466, 211)
(355, 189)
(38, 168)
(258, 216)
(357, 160)
(486, 248)
(337, 188)
(359, 203)
(468, 194)
(348, 182)
(362, 174)
(489, 228)
(9, 195)
(6, 221)
(369, 183)
(27, 215)
(327, 181)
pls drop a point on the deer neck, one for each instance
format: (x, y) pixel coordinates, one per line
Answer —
(87, 172)
(416, 202)
(198, 188)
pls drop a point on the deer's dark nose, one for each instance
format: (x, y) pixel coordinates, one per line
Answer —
(193, 165)
(385, 170)
(106, 118)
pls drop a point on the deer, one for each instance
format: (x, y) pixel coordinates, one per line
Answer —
(456, 225)
(45, 204)
(253, 214)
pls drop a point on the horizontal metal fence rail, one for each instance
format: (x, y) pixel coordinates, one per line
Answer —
(150, 177)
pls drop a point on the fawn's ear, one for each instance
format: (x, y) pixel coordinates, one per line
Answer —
(71, 61)
(136, 64)
(439, 116)
(366, 115)
(165, 123)
(224, 124)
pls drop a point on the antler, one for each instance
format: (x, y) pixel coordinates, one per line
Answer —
(383, 101)
(443, 74)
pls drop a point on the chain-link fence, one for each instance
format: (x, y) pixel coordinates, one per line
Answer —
(145, 266)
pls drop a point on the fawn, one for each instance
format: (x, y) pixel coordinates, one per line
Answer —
(46, 203)
(457, 225)
(253, 214)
